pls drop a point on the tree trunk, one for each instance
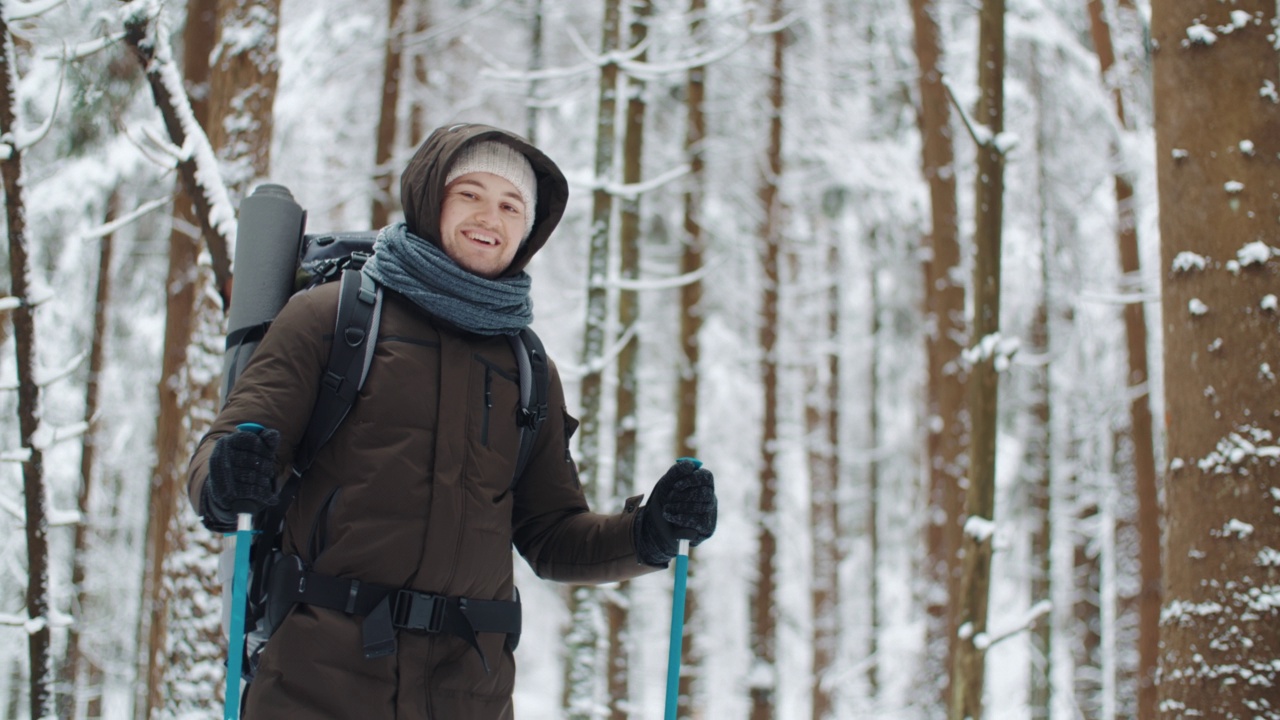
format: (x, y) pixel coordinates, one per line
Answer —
(417, 119)
(1141, 434)
(1039, 459)
(74, 663)
(1215, 97)
(968, 669)
(583, 657)
(763, 602)
(243, 83)
(384, 152)
(944, 299)
(687, 444)
(618, 661)
(203, 183)
(39, 602)
(536, 43)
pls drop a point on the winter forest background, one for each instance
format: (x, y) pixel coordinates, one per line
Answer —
(971, 307)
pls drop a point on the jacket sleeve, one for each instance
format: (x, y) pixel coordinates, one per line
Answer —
(278, 387)
(554, 528)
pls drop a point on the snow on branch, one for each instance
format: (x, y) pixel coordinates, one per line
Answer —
(984, 641)
(27, 10)
(577, 372)
(89, 47)
(145, 32)
(23, 139)
(415, 41)
(666, 283)
(981, 134)
(109, 228)
(35, 624)
(994, 347)
(46, 435)
(45, 378)
(634, 190)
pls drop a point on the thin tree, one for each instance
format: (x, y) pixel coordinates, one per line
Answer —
(388, 114)
(536, 43)
(417, 110)
(691, 310)
(944, 299)
(39, 603)
(1039, 469)
(582, 661)
(74, 665)
(1217, 106)
(822, 423)
(968, 666)
(1141, 434)
(628, 311)
(763, 601)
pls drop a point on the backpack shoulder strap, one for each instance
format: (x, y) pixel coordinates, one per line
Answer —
(535, 377)
(355, 335)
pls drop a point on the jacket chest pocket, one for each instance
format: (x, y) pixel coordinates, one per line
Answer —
(496, 434)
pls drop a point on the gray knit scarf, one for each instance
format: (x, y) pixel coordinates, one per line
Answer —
(423, 272)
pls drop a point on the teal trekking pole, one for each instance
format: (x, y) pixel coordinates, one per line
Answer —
(239, 599)
(676, 646)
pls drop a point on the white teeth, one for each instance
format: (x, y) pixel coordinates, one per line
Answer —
(483, 238)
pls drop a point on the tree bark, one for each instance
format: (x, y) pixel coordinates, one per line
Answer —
(203, 184)
(1141, 434)
(388, 116)
(1216, 111)
(968, 669)
(687, 444)
(625, 450)
(583, 658)
(763, 602)
(39, 603)
(944, 300)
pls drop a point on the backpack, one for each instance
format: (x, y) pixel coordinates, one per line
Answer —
(274, 578)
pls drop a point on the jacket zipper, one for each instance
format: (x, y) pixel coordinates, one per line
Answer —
(488, 403)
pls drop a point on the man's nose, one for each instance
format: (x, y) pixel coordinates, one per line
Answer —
(488, 213)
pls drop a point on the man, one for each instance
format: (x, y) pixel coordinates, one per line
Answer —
(408, 513)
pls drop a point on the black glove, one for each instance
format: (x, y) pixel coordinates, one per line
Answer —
(242, 475)
(682, 505)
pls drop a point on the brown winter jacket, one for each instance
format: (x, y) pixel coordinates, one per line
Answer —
(412, 490)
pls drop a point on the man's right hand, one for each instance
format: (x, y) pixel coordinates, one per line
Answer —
(242, 473)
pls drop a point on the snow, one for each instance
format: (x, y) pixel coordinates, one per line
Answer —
(1269, 302)
(1239, 528)
(1233, 187)
(1256, 253)
(1196, 306)
(979, 528)
(1186, 261)
(1200, 34)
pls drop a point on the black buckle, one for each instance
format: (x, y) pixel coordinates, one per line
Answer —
(418, 611)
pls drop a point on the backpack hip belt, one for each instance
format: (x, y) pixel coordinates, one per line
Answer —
(386, 610)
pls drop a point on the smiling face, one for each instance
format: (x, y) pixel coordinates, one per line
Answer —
(482, 223)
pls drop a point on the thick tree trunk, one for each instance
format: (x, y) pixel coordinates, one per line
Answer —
(417, 113)
(583, 674)
(763, 603)
(968, 669)
(39, 602)
(166, 496)
(384, 151)
(1216, 114)
(944, 298)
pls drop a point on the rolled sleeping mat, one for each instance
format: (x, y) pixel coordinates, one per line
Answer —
(267, 244)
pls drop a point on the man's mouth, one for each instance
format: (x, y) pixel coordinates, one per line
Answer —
(485, 238)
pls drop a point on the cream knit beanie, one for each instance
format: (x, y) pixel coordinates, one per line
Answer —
(506, 162)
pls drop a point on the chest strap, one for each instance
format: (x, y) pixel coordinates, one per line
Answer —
(386, 610)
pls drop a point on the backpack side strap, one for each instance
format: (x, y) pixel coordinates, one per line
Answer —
(355, 336)
(535, 377)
